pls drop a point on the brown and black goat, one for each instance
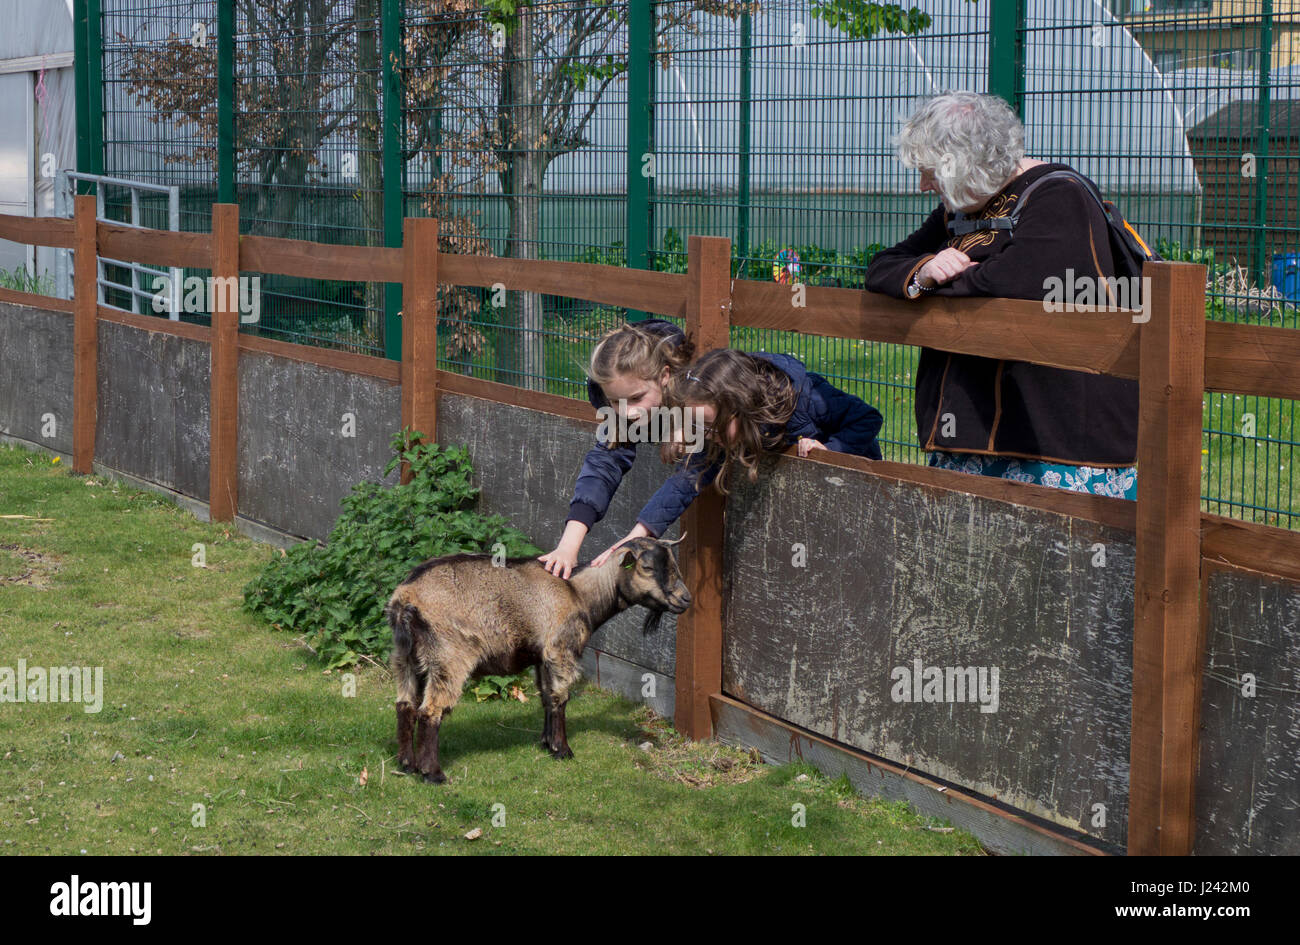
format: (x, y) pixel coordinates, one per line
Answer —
(462, 616)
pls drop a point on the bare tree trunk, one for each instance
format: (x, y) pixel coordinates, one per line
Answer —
(521, 351)
(369, 156)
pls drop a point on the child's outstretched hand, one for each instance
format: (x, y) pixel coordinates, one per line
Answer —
(640, 531)
(560, 562)
(807, 445)
(564, 558)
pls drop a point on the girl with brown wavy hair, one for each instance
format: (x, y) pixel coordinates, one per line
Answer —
(748, 404)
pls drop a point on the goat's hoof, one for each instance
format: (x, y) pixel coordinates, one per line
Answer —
(408, 766)
(435, 777)
(562, 753)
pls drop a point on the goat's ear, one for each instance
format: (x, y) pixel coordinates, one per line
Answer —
(651, 621)
(628, 560)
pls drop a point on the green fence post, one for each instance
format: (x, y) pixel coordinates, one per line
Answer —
(94, 90)
(1262, 133)
(1007, 52)
(742, 178)
(640, 135)
(80, 58)
(391, 14)
(225, 101)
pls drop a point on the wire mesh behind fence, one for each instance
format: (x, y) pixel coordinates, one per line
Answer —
(609, 132)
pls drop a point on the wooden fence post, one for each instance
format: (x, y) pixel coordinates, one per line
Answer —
(1166, 625)
(223, 303)
(85, 333)
(699, 629)
(419, 328)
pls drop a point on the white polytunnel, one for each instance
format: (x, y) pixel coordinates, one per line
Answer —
(824, 112)
(38, 128)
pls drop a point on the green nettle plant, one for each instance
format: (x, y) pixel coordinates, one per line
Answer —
(333, 594)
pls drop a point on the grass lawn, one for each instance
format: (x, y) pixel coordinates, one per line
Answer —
(204, 705)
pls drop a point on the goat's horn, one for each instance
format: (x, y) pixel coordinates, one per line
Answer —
(677, 542)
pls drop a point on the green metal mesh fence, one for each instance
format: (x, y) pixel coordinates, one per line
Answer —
(307, 156)
(771, 125)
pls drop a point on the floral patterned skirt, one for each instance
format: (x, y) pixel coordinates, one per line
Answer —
(1120, 482)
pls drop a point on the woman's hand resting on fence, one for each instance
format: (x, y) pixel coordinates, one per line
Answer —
(946, 265)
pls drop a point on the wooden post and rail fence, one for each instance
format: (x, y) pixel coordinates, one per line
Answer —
(1175, 356)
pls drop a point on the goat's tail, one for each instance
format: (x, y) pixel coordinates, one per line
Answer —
(407, 624)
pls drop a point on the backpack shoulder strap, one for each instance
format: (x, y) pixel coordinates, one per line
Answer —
(1121, 227)
(960, 224)
(1058, 175)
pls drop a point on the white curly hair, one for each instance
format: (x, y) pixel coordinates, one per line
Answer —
(971, 143)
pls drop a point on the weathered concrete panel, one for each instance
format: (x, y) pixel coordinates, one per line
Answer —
(295, 462)
(897, 572)
(152, 419)
(36, 374)
(629, 681)
(526, 463)
(1248, 780)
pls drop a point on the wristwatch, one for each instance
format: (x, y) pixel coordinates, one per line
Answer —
(915, 288)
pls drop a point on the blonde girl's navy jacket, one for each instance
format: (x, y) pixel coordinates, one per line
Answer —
(843, 422)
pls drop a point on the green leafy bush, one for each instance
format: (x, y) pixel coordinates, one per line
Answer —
(334, 594)
(1172, 250)
(500, 687)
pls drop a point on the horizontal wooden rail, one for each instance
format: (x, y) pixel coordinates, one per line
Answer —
(1096, 340)
(663, 293)
(554, 404)
(155, 247)
(152, 323)
(1240, 359)
(36, 231)
(36, 300)
(1252, 359)
(646, 290)
(319, 260)
(352, 362)
(1263, 548)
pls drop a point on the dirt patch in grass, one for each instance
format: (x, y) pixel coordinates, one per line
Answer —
(19, 565)
(667, 754)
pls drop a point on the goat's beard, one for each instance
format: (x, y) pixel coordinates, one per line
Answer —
(651, 624)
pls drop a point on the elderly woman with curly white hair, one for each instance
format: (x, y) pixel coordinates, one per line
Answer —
(982, 415)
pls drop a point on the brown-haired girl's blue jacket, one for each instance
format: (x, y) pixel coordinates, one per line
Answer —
(843, 422)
